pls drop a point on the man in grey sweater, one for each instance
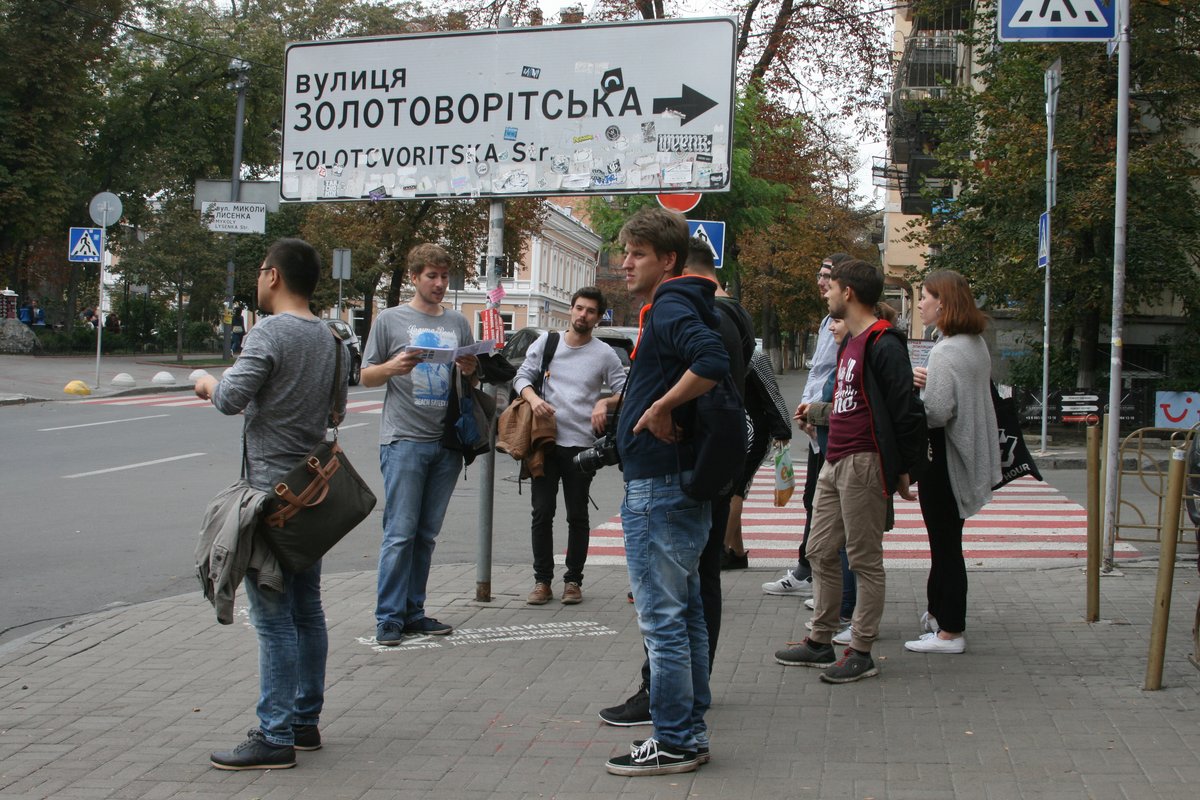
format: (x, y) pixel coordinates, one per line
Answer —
(570, 394)
(282, 382)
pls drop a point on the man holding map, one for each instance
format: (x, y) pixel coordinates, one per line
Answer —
(418, 473)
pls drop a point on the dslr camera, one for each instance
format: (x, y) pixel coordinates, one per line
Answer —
(603, 451)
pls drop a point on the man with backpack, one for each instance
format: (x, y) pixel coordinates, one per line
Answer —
(876, 446)
(562, 380)
(679, 357)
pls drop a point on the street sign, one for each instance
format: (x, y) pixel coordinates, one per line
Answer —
(1044, 240)
(607, 316)
(84, 245)
(1057, 20)
(105, 209)
(341, 263)
(234, 217)
(682, 203)
(630, 107)
(712, 233)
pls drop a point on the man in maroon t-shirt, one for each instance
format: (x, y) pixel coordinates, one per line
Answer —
(876, 442)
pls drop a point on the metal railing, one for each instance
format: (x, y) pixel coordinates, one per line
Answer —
(1149, 455)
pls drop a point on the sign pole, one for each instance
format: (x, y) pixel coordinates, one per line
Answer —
(240, 82)
(1112, 474)
(1053, 75)
(99, 318)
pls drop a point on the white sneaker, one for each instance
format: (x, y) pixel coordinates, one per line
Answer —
(810, 604)
(789, 585)
(929, 623)
(932, 643)
(843, 636)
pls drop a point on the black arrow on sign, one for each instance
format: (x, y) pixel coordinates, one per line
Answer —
(689, 106)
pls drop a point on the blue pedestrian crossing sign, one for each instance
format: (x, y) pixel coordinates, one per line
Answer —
(84, 245)
(607, 317)
(713, 233)
(1057, 20)
(1044, 240)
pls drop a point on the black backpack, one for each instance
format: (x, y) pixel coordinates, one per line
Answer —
(718, 439)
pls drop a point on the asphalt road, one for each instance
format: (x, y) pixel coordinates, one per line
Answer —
(100, 505)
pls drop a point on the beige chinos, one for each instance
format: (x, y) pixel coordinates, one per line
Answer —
(850, 507)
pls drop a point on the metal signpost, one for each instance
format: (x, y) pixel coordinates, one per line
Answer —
(341, 272)
(105, 209)
(1053, 80)
(620, 108)
(1082, 21)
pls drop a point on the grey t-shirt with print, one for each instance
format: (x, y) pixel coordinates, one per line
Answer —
(414, 405)
(282, 380)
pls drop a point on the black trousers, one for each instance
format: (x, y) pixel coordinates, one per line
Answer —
(545, 498)
(946, 589)
(710, 583)
(816, 460)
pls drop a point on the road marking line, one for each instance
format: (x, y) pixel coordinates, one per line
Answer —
(106, 422)
(355, 425)
(134, 466)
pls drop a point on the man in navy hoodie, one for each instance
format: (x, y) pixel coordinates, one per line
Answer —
(679, 357)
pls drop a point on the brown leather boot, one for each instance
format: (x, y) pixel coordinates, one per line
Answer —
(572, 594)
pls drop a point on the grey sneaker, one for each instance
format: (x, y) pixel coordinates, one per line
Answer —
(852, 666)
(789, 586)
(806, 654)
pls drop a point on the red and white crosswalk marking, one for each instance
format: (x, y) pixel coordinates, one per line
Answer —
(189, 400)
(1028, 523)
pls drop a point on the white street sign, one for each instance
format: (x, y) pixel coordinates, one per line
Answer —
(234, 217)
(635, 107)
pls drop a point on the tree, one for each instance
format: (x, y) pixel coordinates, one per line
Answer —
(993, 145)
(181, 254)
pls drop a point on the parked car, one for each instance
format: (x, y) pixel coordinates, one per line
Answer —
(517, 345)
(344, 332)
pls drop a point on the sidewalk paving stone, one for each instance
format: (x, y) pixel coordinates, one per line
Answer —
(128, 703)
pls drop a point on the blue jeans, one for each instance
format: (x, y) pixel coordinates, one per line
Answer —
(665, 532)
(418, 479)
(292, 645)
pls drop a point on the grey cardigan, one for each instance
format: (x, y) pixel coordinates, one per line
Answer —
(958, 397)
(228, 548)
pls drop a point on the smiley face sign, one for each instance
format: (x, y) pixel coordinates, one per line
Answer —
(1176, 409)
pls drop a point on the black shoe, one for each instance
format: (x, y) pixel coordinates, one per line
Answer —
(703, 753)
(653, 758)
(389, 634)
(427, 626)
(307, 737)
(255, 753)
(634, 711)
(731, 560)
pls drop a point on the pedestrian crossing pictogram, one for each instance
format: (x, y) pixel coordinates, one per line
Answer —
(1028, 524)
(84, 245)
(1065, 13)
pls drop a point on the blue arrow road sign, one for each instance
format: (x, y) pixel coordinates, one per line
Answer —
(711, 232)
(84, 245)
(1044, 240)
(1057, 20)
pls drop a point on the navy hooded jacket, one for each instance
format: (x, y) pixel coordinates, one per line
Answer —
(679, 331)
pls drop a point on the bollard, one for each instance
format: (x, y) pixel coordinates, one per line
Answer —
(1093, 523)
(1167, 536)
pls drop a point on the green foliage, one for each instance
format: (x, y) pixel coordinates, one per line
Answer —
(994, 145)
(1026, 370)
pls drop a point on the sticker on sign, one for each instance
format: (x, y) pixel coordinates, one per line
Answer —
(634, 107)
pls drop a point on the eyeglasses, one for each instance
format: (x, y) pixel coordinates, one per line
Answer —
(265, 269)
(824, 276)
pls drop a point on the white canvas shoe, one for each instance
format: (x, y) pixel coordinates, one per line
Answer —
(929, 623)
(932, 643)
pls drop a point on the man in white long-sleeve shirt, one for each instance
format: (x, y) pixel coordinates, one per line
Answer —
(569, 392)
(798, 581)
